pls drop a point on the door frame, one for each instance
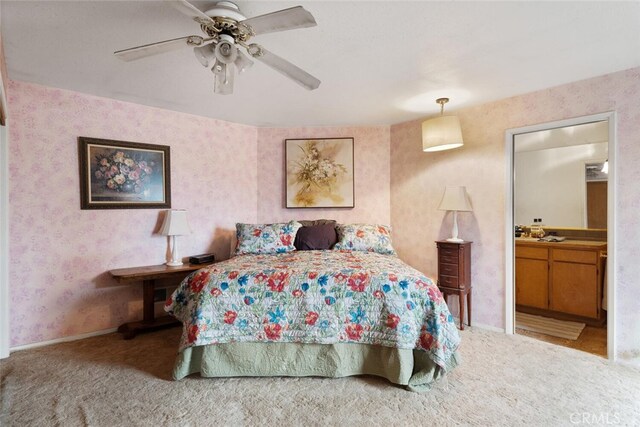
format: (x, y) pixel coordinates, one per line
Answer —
(4, 242)
(610, 116)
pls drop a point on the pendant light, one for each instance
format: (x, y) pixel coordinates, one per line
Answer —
(443, 132)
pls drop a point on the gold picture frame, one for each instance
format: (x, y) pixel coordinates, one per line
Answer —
(319, 173)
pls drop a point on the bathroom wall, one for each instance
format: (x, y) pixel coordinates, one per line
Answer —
(550, 184)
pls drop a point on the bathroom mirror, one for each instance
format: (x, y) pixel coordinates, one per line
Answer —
(561, 177)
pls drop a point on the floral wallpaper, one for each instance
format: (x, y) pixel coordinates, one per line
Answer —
(418, 180)
(371, 174)
(61, 255)
(224, 173)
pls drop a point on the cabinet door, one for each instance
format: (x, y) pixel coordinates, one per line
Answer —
(532, 282)
(574, 288)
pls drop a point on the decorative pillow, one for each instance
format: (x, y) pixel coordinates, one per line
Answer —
(266, 238)
(365, 237)
(316, 237)
(307, 223)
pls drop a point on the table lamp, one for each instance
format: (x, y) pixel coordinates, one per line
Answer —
(175, 224)
(455, 199)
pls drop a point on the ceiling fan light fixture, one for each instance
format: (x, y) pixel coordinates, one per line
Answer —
(242, 62)
(226, 51)
(205, 54)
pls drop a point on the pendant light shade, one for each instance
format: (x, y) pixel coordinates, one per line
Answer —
(441, 133)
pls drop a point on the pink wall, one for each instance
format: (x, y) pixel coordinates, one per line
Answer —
(371, 174)
(60, 254)
(223, 173)
(418, 180)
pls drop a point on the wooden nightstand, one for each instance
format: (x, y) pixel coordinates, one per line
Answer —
(454, 273)
(148, 275)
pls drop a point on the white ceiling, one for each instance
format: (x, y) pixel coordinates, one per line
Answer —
(372, 57)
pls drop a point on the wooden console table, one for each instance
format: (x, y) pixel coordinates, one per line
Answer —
(148, 276)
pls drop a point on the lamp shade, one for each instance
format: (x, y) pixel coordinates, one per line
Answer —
(455, 199)
(441, 133)
(175, 223)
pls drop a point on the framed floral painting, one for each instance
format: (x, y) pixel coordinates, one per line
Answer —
(123, 175)
(319, 173)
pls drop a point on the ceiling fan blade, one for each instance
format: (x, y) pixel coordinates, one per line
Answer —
(286, 19)
(155, 48)
(190, 10)
(284, 67)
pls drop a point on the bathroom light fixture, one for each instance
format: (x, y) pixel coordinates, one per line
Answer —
(605, 167)
(175, 224)
(455, 199)
(443, 132)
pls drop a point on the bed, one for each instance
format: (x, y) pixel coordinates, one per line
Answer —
(329, 313)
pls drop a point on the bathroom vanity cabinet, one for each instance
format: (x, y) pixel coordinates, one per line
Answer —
(560, 277)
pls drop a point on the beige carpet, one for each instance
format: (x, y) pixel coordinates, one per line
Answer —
(504, 380)
(549, 326)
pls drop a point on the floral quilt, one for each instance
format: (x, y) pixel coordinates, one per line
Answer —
(315, 297)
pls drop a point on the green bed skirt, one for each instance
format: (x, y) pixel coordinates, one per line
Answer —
(410, 368)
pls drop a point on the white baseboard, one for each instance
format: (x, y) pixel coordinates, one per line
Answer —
(479, 326)
(63, 339)
(632, 363)
(487, 327)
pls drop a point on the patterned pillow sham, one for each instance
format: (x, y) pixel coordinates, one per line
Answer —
(364, 237)
(266, 238)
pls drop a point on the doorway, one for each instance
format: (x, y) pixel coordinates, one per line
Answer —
(560, 185)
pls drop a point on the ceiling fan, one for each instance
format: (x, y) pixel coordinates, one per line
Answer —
(226, 30)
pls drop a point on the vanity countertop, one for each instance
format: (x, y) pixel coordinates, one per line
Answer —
(531, 241)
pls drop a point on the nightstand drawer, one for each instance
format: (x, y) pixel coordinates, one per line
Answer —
(449, 269)
(449, 257)
(447, 281)
(448, 251)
